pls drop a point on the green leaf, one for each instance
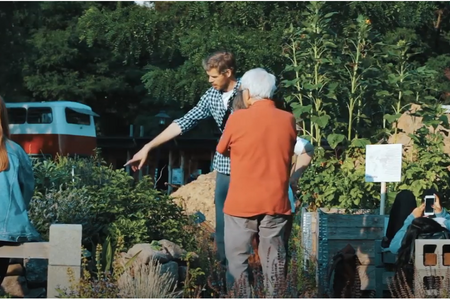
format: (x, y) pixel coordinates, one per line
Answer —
(392, 118)
(109, 255)
(131, 260)
(408, 93)
(335, 139)
(444, 120)
(360, 143)
(383, 93)
(321, 121)
(300, 110)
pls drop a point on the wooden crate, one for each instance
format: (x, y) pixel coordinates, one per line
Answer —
(331, 231)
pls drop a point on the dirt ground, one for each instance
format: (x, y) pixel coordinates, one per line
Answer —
(198, 196)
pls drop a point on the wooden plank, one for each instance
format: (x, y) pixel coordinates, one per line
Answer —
(360, 221)
(354, 233)
(169, 186)
(367, 274)
(26, 250)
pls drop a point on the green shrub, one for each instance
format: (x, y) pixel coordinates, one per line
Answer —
(106, 202)
(338, 180)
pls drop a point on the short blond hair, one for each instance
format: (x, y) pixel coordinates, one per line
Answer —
(220, 60)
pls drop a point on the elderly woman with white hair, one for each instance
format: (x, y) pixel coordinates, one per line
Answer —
(260, 141)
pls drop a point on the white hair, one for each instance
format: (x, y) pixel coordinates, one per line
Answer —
(260, 83)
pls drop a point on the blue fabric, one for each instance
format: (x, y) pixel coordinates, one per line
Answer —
(396, 242)
(222, 184)
(291, 199)
(16, 190)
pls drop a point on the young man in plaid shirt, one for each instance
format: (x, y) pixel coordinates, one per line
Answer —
(217, 103)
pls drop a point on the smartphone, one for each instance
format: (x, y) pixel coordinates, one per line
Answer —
(429, 202)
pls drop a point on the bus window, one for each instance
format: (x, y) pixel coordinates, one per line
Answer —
(73, 117)
(39, 115)
(17, 115)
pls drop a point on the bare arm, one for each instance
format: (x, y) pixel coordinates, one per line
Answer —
(171, 132)
(199, 112)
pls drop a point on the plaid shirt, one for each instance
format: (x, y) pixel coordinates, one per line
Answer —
(210, 105)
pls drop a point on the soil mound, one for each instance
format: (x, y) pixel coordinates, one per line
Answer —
(198, 196)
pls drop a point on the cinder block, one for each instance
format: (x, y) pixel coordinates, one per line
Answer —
(430, 259)
(447, 259)
(65, 245)
(58, 278)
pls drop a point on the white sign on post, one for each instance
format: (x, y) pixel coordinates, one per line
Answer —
(384, 164)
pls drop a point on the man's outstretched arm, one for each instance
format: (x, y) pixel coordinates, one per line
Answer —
(199, 112)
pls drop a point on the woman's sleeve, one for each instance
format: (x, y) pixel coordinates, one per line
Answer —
(396, 242)
(26, 178)
(444, 214)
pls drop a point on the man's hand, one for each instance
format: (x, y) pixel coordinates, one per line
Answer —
(437, 205)
(139, 158)
(418, 211)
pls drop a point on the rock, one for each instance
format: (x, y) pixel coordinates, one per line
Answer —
(37, 293)
(36, 271)
(198, 196)
(176, 251)
(148, 253)
(16, 286)
(15, 269)
(172, 268)
(182, 273)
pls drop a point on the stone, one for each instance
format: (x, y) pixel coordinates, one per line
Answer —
(15, 269)
(176, 251)
(16, 286)
(36, 271)
(172, 268)
(149, 253)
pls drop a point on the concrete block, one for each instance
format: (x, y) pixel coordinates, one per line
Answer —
(58, 278)
(65, 245)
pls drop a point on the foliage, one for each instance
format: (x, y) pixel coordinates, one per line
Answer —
(102, 284)
(338, 181)
(426, 165)
(351, 91)
(147, 281)
(106, 202)
(309, 50)
(347, 69)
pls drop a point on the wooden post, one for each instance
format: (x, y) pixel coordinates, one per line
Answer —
(128, 168)
(64, 254)
(383, 197)
(379, 270)
(141, 134)
(182, 167)
(169, 187)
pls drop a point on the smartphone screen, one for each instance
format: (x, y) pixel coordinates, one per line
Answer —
(429, 202)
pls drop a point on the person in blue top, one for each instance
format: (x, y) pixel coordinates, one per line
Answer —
(440, 215)
(16, 190)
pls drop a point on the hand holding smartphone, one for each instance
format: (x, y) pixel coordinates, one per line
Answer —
(429, 203)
